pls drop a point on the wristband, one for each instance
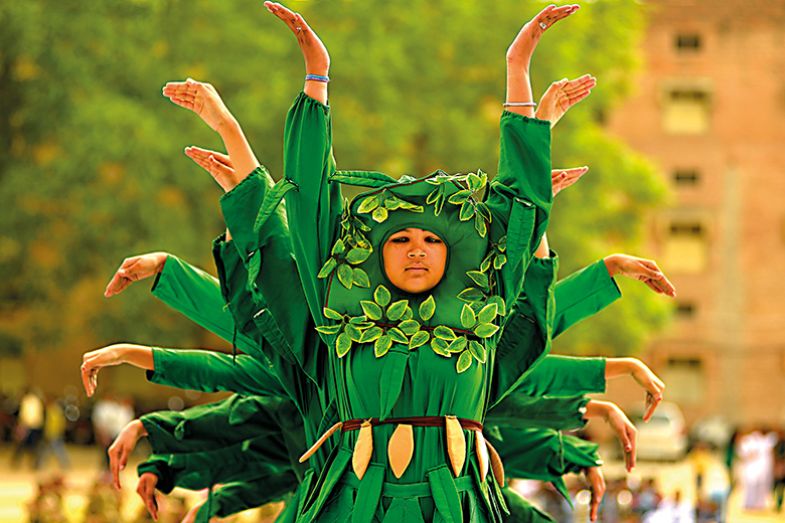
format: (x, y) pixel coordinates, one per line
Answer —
(317, 78)
(520, 104)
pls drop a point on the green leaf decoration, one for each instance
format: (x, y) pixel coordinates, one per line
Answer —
(358, 320)
(342, 344)
(502, 245)
(437, 209)
(485, 330)
(371, 310)
(499, 301)
(327, 268)
(474, 181)
(477, 350)
(360, 278)
(382, 345)
(480, 278)
(345, 275)
(444, 333)
(379, 214)
(338, 247)
(464, 361)
(397, 335)
(331, 314)
(357, 255)
(411, 206)
(409, 327)
(484, 211)
(460, 196)
(468, 318)
(427, 308)
(486, 263)
(488, 313)
(382, 296)
(471, 294)
(479, 226)
(370, 203)
(458, 344)
(396, 310)
(408, 314)
(353, 331)
(329, 329)
(420, 338)
(440, 347)
(432, 196)
(499, 261)
(467, 211)
(372, 334)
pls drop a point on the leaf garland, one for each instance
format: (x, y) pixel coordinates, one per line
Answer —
(380, 204)
(470, 208)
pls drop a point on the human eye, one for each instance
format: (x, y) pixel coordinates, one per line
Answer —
(433, 239)
(399, 239)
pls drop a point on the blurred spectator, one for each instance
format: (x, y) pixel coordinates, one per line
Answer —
(109, 417)
(54, 433)
(756, 458)
(29, 428)
(730, 456)
(675, 510)
(779, 470)
(104, 502)
(47, 505)
(647, 498)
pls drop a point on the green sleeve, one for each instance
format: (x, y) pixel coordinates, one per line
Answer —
(565, 376)
(208, 371)
(522, 411)
(314, 208)
(521, 510)
(237, 496)
(582, 294)
(268, 278)
(158, 464)
(521, 194)
(197, 296)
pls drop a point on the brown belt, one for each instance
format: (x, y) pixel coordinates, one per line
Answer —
(415, 421)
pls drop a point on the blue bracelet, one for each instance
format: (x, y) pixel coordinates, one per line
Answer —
(317, 78)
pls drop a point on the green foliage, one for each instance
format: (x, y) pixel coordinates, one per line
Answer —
(91, 151)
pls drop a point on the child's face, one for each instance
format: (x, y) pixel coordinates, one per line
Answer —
(414, 259)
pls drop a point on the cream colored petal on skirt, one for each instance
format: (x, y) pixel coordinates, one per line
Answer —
(481, 447)
(456, 444)
(363, 449)
(400, 449)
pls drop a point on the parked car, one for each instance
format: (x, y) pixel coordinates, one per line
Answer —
(664, 437)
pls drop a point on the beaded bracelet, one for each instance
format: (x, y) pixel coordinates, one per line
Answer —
(317, 78)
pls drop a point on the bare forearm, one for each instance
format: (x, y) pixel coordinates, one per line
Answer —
(238, 148)
(615, 367)
(136, 355)
(316, 90)
(519, 88)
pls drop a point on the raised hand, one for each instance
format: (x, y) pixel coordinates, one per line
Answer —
(202, 99)
(562, 95)
(134, 269)
(640, 269)
(597, 486)
(520, 51)
(317, 59)
(117, 354)
(217, 164)
(146, 490)
(563, 178)
(122, 447)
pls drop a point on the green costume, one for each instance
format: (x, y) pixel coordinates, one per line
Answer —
(297, 358)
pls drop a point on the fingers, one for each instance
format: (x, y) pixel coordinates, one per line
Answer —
(120, 280)
(118, 458)
(146, 491)
(87, 378)
(597, 485)
(652, 402)
(552, 14)
(631, 441)
(197, 152)
(212, 165)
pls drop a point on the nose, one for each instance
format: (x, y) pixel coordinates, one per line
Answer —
(416, 253)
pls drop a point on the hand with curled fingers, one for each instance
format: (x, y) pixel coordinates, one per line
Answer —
(201, 98)
(117, 354)
(640, 269)
(219, 166)
(597, 486)
(643, 375)
(134, 269)
(621, 425)
(317, 59)
(146, 490)
(122, 447)
(562, 95)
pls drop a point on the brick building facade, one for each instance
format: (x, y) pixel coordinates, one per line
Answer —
(709, 110)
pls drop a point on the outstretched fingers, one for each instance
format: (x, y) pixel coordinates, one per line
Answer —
(552, 14)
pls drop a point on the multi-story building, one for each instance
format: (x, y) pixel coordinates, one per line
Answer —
(709, 109)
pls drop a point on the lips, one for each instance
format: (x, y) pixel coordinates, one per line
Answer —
(416, 268)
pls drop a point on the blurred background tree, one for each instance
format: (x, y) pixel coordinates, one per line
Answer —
(92, 169)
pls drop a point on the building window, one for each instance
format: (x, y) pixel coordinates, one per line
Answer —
(687, 111)
(686, 177)
(686, 380)
(685, 310)
(688, 42)
(686, 246)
